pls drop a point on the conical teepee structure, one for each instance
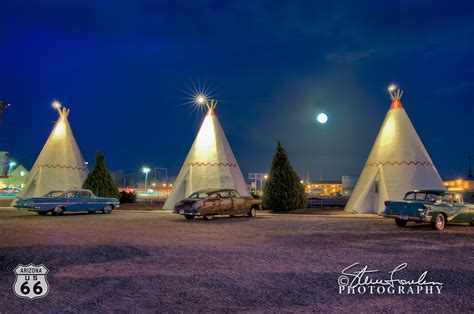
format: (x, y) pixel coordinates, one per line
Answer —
(210, 163)
(398, 162)
(60, 165)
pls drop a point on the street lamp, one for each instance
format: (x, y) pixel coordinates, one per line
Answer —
(146, 170)
(11, 165)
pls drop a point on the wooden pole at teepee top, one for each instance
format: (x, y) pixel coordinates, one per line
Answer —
(396, 94)
(212, 105)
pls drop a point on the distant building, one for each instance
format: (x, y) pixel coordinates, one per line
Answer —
(460, 184)
(16, 178)
(324, 188)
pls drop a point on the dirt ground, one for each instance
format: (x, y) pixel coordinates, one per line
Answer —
(149, 261)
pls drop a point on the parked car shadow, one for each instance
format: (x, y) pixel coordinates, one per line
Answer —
(423, 226)
(34, 215)
(221, 219)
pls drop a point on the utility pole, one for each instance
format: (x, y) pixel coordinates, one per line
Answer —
(469, 175)
(3, 105)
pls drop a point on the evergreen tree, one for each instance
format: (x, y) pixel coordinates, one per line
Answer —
(283, 190)
(99, 180)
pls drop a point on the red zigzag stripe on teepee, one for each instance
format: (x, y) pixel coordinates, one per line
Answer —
(400, 163)
(212, 164)
(62, 167)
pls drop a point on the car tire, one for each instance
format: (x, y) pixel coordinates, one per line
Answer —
(208, 217)
(58, 211)
(189, 217)
(401, 223)
(252, 212)
(439, 222)
(91, 211)
(107, 209)
(42, 213)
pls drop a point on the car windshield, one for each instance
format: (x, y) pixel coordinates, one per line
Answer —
(199, 195)
(54, 194)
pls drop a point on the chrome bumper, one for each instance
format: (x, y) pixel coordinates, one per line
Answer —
(186, 212)
(408, 218)
(24, 207)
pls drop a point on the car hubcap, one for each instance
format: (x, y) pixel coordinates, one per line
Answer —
(439, 221)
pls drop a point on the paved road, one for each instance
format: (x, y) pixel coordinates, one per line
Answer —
(149, 261)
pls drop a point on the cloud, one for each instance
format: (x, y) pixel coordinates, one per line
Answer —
(347, 57)
(454, 89)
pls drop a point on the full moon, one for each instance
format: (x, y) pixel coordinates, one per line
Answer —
(322, 118)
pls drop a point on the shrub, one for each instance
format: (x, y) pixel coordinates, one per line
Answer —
(99, 179)
(283, 190)
(127, 197)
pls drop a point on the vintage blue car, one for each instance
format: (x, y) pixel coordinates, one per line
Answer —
(57, 202)
(432, 206)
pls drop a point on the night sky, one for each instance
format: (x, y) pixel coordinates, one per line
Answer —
(123, 68)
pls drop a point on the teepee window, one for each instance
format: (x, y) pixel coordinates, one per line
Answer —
(376, 187)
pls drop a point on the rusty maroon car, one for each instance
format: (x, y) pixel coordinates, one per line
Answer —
(211, 202)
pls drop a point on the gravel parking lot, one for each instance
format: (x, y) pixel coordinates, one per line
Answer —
(154, 261)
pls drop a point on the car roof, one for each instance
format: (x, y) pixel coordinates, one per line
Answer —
(438, 192)
(73, 190)
(208, 191)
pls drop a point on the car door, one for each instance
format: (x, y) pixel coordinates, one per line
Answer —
(86, 202)
(447, 205)
(70, 201)
(461, 210)
(238, 203)
(211, 204)
(225, 203)
(54, 199)
(469, 204)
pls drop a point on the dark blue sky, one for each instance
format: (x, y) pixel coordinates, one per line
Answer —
(121, 67)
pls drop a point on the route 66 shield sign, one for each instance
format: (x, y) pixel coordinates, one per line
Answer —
(30, 281)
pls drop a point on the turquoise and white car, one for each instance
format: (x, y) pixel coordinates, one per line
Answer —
(432, 206)
(58, 202)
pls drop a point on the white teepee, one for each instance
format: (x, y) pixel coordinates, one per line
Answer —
(60, 165)
(398, 162)
(210, 163)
